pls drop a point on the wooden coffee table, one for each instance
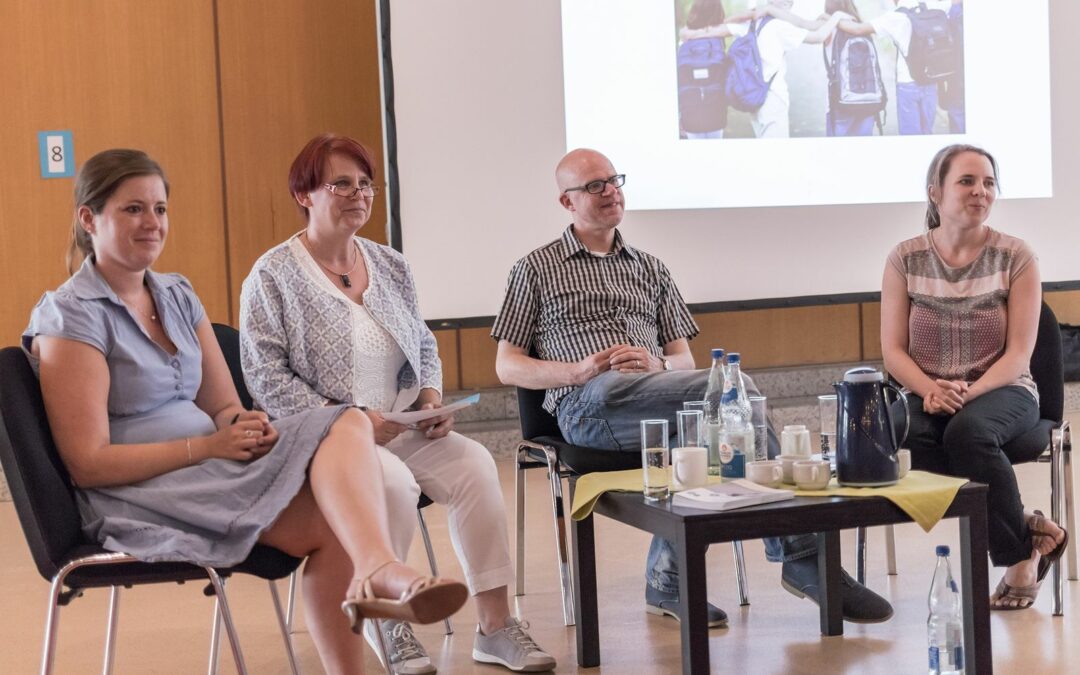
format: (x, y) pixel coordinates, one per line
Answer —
(693, 531)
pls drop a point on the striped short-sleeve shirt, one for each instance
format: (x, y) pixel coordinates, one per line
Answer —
(958, 321)
(566, 303)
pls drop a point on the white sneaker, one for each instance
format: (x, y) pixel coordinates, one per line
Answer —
(407, 656)
(511, 647)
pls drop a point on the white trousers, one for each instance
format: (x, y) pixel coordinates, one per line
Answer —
(459, 473)
(771, 119)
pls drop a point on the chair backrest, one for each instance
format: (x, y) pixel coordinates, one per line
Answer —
(1047, 367)
(535, 421)
(229, 339)
(39, 482)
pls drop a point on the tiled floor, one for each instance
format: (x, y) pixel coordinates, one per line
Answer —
(165, 629)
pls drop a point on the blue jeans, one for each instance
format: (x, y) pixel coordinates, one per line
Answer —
(604, 413)
(916, 107)
(840, 124)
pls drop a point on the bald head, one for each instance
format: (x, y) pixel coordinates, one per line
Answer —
(578, 166)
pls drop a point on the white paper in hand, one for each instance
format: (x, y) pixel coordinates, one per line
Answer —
(414, 416)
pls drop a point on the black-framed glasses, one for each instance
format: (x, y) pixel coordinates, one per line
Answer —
(597, 186)
(350, 191)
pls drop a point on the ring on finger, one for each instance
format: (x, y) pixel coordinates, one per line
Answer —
(249, 433)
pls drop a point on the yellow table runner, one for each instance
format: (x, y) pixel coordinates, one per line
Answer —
(923, 496)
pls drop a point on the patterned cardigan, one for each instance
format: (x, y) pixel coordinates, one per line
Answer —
(296, 345)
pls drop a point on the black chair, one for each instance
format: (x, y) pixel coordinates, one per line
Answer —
(45, 503)
(543, 446)
(229, 340)
(1049, 441)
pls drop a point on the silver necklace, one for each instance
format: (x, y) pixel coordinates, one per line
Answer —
(344, 276)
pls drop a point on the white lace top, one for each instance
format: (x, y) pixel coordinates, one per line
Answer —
(377, 357)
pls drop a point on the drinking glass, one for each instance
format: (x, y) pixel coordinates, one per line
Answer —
(710, 435)
(827, 408)
(655, 461)
(760, 420)
(691, 425)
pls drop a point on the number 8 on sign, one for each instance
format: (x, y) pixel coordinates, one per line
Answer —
(56, 154)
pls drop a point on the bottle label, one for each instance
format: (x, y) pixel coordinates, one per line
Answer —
(727, 452)
(935, 664)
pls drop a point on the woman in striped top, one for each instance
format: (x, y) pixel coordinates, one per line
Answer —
(959, 314)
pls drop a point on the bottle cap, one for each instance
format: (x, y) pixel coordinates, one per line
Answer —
(733, 357)
(942, 550)
(717, 353)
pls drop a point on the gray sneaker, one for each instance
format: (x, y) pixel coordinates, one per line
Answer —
(407, 656)
(511, 648)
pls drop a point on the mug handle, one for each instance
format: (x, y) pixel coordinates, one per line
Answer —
(778, 473)
(675, 466)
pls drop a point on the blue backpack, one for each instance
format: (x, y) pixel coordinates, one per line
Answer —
(932, 55)
(746, 87)
(702, 68)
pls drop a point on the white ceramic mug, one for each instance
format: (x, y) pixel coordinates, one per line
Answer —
(812, 474)
(787, 462)
(689, 468)
(795, 440)
(903, 458)
(768, 472)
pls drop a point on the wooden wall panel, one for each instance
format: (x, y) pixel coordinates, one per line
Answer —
(1066, 305)
(290, 71)
(451, 360)
(871, 321)
(117, 74)
(769, 338)
(478, 359)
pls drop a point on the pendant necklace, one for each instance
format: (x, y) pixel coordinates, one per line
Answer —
(344, 276)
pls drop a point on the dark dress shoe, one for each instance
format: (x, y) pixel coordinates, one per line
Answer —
(859, 603)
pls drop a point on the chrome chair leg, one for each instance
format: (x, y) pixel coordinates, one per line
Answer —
(290, 604)
(294, 665)
(215, 639)
(226, 616)
(740, 573)
(1056, 484)
(890, 549)
(1070, 506)
(860, 555)
(431, 558)
(110, 631)
(384, 652)
(519, 516)
(561, 547)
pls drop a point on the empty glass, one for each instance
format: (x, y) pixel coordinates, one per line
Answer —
(827, 408)
(655, 460)
(760, 420)
(691, 425)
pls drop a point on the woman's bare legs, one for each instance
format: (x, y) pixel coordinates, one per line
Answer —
(339, 521)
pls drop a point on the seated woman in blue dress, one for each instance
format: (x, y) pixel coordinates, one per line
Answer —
(168, 465)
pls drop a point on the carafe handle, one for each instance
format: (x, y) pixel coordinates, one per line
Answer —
(888, 411)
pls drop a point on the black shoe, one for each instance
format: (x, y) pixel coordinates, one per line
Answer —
(858, 604)
(667, 604)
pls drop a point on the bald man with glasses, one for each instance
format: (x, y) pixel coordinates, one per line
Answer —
(603, 328)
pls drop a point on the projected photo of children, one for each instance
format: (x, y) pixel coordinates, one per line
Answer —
(806, 68)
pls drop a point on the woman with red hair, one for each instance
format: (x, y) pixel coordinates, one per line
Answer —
(329, 317)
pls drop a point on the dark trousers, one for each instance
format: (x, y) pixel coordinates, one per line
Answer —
(968, 445)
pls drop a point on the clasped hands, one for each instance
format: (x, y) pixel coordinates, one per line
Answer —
(620, 358)
(248, 437)
(946, 398)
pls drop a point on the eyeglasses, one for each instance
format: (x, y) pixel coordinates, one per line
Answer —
(350, 191)
(597, 186)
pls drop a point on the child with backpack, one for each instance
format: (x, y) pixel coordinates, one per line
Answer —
(925, 56)
(702, 70)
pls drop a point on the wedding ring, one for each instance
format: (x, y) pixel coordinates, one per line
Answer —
(249, 433)
(637, 364)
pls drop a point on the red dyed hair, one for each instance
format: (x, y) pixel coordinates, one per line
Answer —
(305, 174)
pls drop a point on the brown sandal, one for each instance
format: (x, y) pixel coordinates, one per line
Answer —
(1020, 593)
(1046, 561)
(426, 600)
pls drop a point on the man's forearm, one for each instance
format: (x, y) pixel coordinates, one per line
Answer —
(523, 371)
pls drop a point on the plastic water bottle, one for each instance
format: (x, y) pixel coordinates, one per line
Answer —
(944, 628)
(737, 430)
(713, 393)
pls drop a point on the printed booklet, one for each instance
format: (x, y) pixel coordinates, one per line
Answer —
(729, 495)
